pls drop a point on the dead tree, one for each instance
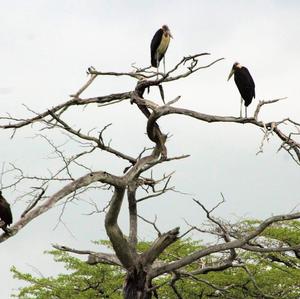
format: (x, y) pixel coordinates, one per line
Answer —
(142, 268)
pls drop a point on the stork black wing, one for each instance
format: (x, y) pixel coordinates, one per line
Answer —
(251, 81)
(5, 212)
(154, 46)
(245, 84)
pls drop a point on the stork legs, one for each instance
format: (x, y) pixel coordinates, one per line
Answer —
(157, 63)
(242, 109)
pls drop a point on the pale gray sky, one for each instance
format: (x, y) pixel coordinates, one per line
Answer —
(45, 49)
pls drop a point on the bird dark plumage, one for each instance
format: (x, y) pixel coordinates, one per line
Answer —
(159, 45)
(5, 212)
(244, 83)
(154, 45)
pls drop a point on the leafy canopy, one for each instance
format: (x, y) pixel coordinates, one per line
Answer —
(258, 275)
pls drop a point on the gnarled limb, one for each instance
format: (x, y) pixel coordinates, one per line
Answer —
(131, 194)
(83, 181)
(159, 245)
(119, 242)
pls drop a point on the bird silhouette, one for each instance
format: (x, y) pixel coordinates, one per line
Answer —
(5, 213)
(244, 83)
(159, 46)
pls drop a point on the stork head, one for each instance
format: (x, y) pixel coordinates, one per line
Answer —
(235, 66)
(166, 30)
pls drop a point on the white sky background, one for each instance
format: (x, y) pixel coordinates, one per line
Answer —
(45, 49)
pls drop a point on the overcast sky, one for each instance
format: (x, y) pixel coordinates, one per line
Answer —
(46, 47)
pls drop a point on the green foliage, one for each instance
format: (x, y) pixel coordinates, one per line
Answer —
(267, 275)
(81, 282)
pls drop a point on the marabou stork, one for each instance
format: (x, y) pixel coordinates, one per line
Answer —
(159, 45)
(244, 83)
(5, 213)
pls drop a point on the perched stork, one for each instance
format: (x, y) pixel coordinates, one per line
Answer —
(5, 213)
(244, 83)
(159, 45)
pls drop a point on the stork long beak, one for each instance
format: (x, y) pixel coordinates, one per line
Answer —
(170, 34)
(230, 75)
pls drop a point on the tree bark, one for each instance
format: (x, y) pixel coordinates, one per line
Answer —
(136, 285)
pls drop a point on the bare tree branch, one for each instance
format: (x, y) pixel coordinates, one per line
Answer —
(152, 223)
(221, 247)
(93, 257)
(83, 181)
(19, 123)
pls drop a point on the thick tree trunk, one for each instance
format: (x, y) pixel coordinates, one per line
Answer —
(136, 285)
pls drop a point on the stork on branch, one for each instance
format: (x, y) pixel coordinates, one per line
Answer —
(159, 46)
(244, 83)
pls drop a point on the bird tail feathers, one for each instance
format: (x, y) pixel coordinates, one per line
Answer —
(154, 62)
